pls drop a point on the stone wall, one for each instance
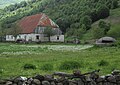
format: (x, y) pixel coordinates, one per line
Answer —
(61, 78)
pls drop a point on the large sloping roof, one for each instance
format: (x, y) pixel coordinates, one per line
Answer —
(28, 24)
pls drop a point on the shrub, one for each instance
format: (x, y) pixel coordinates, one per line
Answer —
(103, 63)
(29, 66)
(69, 65)
(1, 70)
(117, 44)
(47, 67)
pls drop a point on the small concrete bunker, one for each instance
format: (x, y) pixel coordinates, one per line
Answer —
(105, 41)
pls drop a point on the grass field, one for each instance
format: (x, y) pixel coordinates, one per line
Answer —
(14, 57)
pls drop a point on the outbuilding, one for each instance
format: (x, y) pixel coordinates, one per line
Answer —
(105, 41)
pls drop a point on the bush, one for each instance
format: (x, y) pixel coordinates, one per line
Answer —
(103, 63)
(117, 43)
(1, 70)
(47, 67)
(29, 66)
(69, 65)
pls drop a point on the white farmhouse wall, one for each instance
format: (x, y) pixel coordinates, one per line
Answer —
(57, 38)
(36, 37)
(10, 38)
(26, 37)
(31, 37)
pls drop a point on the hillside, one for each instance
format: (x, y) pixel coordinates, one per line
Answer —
(113, 19)
(74, 17)
(4, 3)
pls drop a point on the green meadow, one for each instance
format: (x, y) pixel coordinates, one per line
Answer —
(28, 59)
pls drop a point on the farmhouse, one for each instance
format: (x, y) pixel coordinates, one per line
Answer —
(32, 28)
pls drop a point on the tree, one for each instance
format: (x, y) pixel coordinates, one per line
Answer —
(101, 30)
(114, 4)
(14, 30)
(70, 32)
(23, 4)
(105, 26)
(114, 32)
(94, 16)
(48, 31)
(79, 33)
(2, 34)
(98, 33)
(103, 12)
(86, 22)
(63, 23)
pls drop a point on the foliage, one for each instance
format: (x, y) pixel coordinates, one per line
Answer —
(47, 67)
(14, 30)
(98, 33)
(86, 22)
(69, 65)
(1, 70)
(103, 63)
(114, 4)
(48, 31)
(103, 12)
(101, 30)
(114, 31)
(117, 43)
(105, 26)
(29, 66)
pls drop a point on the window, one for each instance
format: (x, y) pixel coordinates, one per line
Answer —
(25, 37)
(57, 37)
(8, 36)
(37, 37)
(12, 37)
(19, 36)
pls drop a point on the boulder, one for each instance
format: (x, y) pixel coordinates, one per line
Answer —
(72, 83)
(9, 83)
(52, 83)
(45, 83)
(111, 79)
(49, 78)
(39, 77)
(59, 83)
(77, 72)
(116, 72)
(36, 82)
(29, 81)
(20, 79)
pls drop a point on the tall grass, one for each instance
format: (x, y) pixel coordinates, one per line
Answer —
(13, 64)
(69, 65)
(29, 66)
(47, 67)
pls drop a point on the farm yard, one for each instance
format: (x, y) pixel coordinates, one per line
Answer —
(29, 59)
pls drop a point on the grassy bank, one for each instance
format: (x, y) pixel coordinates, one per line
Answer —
(28, 60)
